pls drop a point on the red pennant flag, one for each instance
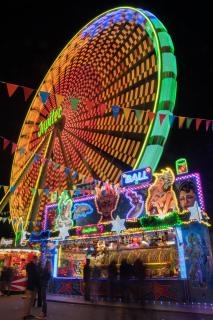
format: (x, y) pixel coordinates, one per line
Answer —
(151, 115)
(90, 104)
(14, 146)
(208, 122)
(11, 88)
(102, 108)
(6, 142)
(162, 117)
(27, 92)
(198, 123)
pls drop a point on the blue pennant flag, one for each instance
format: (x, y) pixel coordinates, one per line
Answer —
(115, 111)
(44, 96)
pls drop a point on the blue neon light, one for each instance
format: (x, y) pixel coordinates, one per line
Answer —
(179, 237)
(136, 177)
(81, 210)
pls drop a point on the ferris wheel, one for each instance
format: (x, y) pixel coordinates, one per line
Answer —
(122, 61)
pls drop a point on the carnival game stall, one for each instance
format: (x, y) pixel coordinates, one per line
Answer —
(16, 259)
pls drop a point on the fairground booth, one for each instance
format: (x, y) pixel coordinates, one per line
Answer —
(160, 219)
(16, 258)
(85, 181)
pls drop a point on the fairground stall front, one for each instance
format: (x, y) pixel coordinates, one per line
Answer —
(16, 259)
(163, 222)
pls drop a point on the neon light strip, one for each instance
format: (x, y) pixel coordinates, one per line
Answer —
(179, 237)
(55, 266)
(19, 250)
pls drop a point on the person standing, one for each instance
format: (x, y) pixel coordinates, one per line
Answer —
(112, 279)
(32, 282)
(44, 280)
(87, 279)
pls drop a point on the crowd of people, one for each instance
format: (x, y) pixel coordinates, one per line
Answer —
(118, 281)
(38, 277)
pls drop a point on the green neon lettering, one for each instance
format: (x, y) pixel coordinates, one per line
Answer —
(54, 116)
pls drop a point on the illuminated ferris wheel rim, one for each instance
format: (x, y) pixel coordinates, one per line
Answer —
(165, 85)
(149, 18)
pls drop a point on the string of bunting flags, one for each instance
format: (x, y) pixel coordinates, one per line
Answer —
(11, 89)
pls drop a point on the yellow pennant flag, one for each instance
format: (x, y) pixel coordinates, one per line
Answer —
(181, 121)
(40, 191)
(59, 99)
(6, 188)
(126, 112)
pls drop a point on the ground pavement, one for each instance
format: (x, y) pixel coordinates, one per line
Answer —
(61, 308)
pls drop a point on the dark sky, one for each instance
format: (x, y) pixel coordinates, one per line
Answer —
(33, 33)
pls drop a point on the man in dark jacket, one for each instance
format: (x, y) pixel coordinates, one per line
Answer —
(87, 279)
(32, 284)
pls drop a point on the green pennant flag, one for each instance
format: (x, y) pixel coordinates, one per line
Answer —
(138, 115)
(74, 103)
(188, 122)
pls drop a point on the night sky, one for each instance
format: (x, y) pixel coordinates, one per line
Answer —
(34, 33)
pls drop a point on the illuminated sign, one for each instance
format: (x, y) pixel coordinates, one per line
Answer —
(136, 177)
(181, 166)
(90, 230)
(81, 210)
(6, 242)
(54, 116)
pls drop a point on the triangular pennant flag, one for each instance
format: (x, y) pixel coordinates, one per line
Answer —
(6, 142)
(90, 104)
(46, 191)
(151, 115)
(188, 122)
(44, 96)
(138, 115)
(208, 122)
(13, 188)
(4, 220)
(33, 190)
(11, 88)
(59, 99)
(126, 112)
(27, 92)
(5, 188)
(74, 103)
(21, 151)
(115, 111)
(171, 119)
(162, 116)
(102, 108)
(40, 191)
(181, 121)
(14, 146)
(56, 165)
(67, 171)
(198, 123)
(71, 193)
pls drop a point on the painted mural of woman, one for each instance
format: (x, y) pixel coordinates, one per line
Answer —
(161, 198)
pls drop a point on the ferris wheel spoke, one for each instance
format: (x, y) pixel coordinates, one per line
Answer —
(40, 178)
(25, 169)
(70, 180)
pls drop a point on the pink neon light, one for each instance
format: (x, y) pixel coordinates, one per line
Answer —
(49, 206)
